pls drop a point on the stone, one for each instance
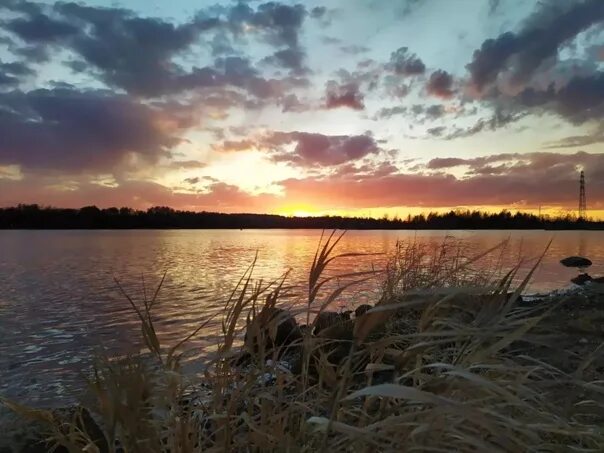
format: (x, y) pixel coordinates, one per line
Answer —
(581, 279)
(362, 309)
(575, 261)
(276, 328)
(327, 319)
(27, 436)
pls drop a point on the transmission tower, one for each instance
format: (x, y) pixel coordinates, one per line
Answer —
(582, 202)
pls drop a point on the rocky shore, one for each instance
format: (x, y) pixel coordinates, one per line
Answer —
(275, 337)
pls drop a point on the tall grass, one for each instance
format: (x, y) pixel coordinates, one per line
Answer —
(447, 360)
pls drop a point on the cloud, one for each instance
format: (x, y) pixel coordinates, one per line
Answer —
(439, 163)
(72, 131)
(12, 73)
(440, 84)
(236, 145)
(318, 12)
(504, 180)
(436, 131)
(347, 95)
(522, 53)
(497, 120)
(404, 63)
(309, 149)
(387, 112)
(38, 27)
(281, 23)
(290, 58)
(313, 149)
(596, 136)
(131, 52)
(435, 111)
(140, 54)
(494, 6)
(187, 164)
(582, 99)
(532, 180)
(218, 196)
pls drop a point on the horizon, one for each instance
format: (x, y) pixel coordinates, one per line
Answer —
(304, 109)
(409, 217)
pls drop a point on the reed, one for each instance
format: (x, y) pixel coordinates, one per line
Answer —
(449, 359)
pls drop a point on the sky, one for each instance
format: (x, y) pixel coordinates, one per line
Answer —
(350, 107)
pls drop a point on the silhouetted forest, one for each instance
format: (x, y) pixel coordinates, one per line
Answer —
(91, 217)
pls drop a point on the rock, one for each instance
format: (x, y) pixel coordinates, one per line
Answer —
(341, 331)
(274, 327)
(362, 309)
(598, 280)
(575, 261)
(581, 279)
(27, 436)
(327, 319)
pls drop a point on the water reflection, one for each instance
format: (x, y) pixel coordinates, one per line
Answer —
(59, 303)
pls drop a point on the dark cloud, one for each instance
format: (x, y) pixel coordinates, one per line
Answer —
(494, 6)
(281, 23)
(439, 163)
(582, 99)
(310, 149)
(38, 27)
(344, 96)
(7, 80)
(365, 170)
(192, 181)
(130, 52)
(387, 112)
(436, 131)
(435, 111)
(318, 12)
(440, 84)
(16, 68)
(543, 34)
(404, 63)
(354, 49)
(407, 7)
(138, 54)
(73, 131)
(498, 120)
(290, 58)
(11, 74)
(291, 103)
(595, 136)
(417, 113)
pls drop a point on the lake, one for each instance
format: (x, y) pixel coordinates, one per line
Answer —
(59, 303)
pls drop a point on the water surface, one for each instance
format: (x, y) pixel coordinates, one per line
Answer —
(59, 303)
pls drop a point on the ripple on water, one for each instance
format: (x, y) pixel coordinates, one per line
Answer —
(59, 304)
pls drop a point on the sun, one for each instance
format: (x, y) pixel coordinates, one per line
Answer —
(297, 210)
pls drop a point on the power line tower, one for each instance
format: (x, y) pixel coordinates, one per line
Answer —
(582, 202)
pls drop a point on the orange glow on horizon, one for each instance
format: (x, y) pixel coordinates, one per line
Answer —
(306, 210)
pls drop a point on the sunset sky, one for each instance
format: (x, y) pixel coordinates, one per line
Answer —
(343, 107)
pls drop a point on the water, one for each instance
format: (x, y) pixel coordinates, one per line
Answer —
(59, 303)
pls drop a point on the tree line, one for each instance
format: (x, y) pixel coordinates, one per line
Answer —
(92, 217)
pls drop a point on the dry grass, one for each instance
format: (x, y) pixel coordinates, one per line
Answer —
(446, 361)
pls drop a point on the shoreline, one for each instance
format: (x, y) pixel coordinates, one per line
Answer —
(28, 433)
